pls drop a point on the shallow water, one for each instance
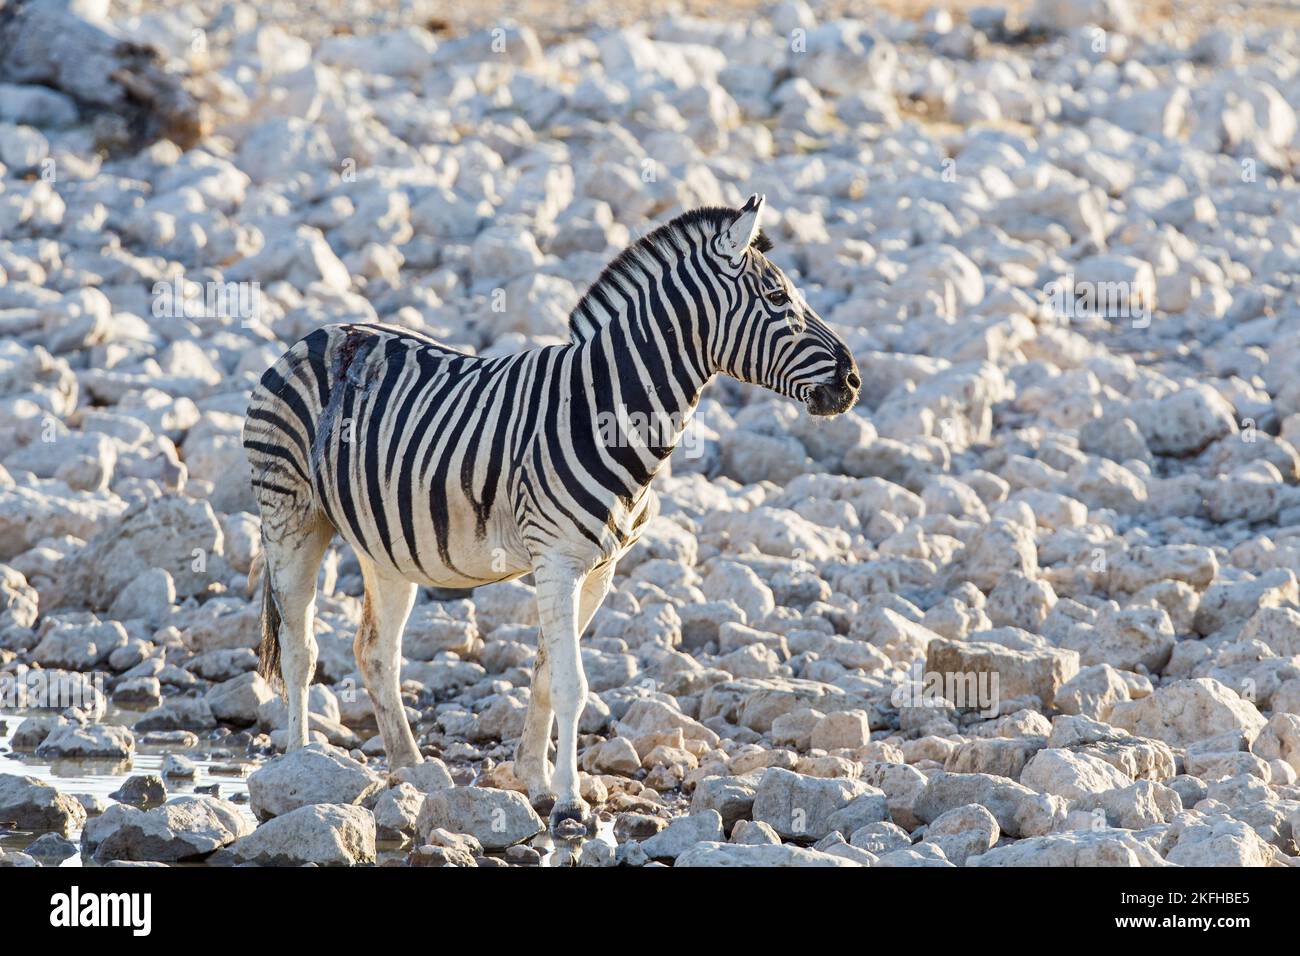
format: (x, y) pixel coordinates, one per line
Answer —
(103, 777)
(561, 853)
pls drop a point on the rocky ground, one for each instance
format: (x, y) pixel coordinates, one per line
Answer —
(1034, 601)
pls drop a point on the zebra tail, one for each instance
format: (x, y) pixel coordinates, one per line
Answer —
(268, 652)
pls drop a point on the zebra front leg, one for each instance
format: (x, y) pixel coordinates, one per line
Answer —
(531, 763)
(558, 586)
(378, 648)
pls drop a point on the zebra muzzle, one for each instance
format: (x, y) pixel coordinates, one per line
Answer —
(835, 398)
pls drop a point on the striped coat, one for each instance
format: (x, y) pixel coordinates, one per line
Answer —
(443, 468)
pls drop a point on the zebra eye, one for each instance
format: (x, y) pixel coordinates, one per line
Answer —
(778, 297)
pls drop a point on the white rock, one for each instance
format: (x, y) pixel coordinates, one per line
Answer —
(1063, 15)
(496, 818)
(320, 834)
(406, 52)
(1186, 421)
(963, 832)
(1071, 775)
(807, 808)
(763, 855)
(1074, 848)
(1186, 711)
(22, 147)
(311, 775)
(185, 828)
(94, 741)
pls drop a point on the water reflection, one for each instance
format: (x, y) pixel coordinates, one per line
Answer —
(98, 779)
(217, 771)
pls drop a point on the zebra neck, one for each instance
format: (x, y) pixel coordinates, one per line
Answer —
(646, 378)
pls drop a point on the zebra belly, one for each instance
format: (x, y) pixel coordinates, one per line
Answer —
(454, 554)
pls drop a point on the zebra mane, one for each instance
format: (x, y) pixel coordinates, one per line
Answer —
(631, 264)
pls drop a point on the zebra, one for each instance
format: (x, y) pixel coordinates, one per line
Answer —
(442, 468)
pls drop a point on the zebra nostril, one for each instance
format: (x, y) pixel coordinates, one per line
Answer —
(853, 381)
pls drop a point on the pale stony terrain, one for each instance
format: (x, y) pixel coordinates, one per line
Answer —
(1097, 509)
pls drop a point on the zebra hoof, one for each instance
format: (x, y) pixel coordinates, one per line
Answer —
(571, 820)
(543, 803)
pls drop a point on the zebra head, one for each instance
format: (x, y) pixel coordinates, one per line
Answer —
(768, 334)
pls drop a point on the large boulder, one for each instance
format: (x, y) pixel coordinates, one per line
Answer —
(100, 741)
(496, 818)
(1004, 671)
(804, 808)
(1088, 848)
(682, 834)
(313, 774)
(179, 535)
(185, 828)
(1186, 711)
(29, 804)
(320, 834)
(757, 855)
(1019, 811)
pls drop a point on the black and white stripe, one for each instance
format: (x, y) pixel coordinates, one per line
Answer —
(443, 468)
(389, 433)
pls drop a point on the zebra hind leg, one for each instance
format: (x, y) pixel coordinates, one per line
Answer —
(292, 562)
(378, 648)
(531, 763)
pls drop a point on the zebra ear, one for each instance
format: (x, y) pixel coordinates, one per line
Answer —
(737, 236)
